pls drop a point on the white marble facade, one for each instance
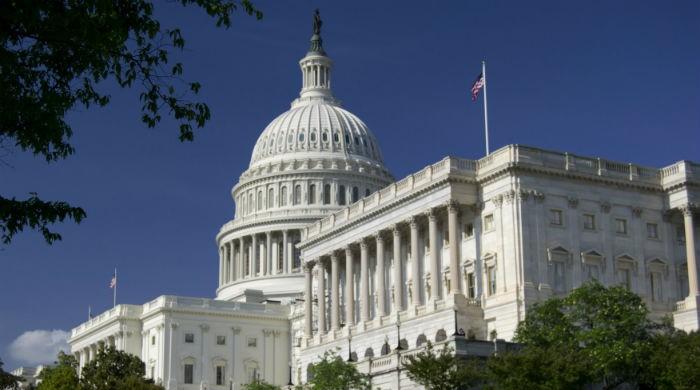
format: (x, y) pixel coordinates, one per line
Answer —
(327, 251)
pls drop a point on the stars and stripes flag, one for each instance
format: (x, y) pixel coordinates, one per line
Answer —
(113, 286)
(113, 282)
(476, 87)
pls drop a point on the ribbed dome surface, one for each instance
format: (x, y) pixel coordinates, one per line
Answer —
(316, 129)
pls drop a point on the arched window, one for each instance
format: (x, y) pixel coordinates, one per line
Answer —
(251, 203)
(243, 209)
(441, 335)
(367, 192)
(369, 352)
(341, 195)
(403, 343)
(260, 201)
(421, 340)
(270, 198)
(355, 194)
(326, 194)
(312, 194)
(283, 196)
(386, 349)
(297, 194)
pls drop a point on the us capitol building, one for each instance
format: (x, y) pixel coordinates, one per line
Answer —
(327, 251)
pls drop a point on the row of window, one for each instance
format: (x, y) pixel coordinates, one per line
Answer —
(249, 205)
(252, 342)
(556, 218)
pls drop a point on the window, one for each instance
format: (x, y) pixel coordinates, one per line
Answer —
(283, 196)
(326, 194)
(251, 204)
(652, 231)
(153, 372)
(312, 194)
(341, 195)
(367, 192)
(469, 230)
(488, 222)
(220, 375)
(260, 201)
(297, 194)
(189, 373)
(555, 217)
(220, 340)
(620, 226)
(336, 138)
(655, 286)
(189, 337)
(491, 275)
(592, 271)
(355, 194)
(252, 342)
(324, 136)
(558, 282)
(153, 340)
(270, 198)
(471, 285)
(625, 277)
(589, 221)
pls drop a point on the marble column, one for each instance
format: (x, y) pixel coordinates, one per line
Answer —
(452, 214)
(381, 277)
(221, 266)
(285, 250)
(415, 263)
(398, 275)
(232, 261)
(687, 211)
(335, 293)
(364, 282)
(267, 260)
(241, 249)
(349, 288)
(434, 269)
(253, 255)
(321, 296)
(308, 298)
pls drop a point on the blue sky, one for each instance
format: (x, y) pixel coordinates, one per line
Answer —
(615, 79)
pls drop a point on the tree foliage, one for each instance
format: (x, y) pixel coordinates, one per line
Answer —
(62, 376)
(53, 57)
(674, 362)
(260, 385)
(115, 370)
(443, 370)
(7, 380)
(334, 373)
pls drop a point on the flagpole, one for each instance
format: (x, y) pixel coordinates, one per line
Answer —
(114, 298)
(486, 112)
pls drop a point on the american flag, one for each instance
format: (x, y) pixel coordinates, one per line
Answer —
(476, 87)
(113, 282)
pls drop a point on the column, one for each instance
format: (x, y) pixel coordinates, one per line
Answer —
(221, 266)
(381, 288)
(364, 282)
(285, 250)
(434, 270)
(172, 371)
(308, 312)
(268, 254)
(321, 296)
(415, 263)
(687, 211)
(232, 271)
(335, 294)
(349, 288)
(398, 277)
(241, 248)
(253, 255)
(230, 261)
(452, 213)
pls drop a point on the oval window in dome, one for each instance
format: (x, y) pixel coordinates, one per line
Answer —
(312, 136)
(324, 137)
(357, 141)
(290, 138)
(364, 142)
(347, 139)
(301, 136)
(336, 138)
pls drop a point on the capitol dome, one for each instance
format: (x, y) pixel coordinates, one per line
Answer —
(310, 161)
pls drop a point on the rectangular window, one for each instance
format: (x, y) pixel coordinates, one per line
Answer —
(189, 337)
(655, 285)
(592, 272)
(469, 230)
(471, 285)
(620, 226)
(625, 277)
(153, 340)
(558, 270)
(220, 375)
(220, 340)
(491, 274)
(652, 230)
(589, 221)
(189, 373)
(555, 217)
(488, 222)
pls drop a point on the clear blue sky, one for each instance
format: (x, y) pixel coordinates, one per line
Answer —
(615, 79)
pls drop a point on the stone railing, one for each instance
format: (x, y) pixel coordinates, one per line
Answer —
(119, 311)
(511, 155)
(175, 302)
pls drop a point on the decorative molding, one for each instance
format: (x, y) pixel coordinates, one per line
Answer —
(497, 200)
(688, 209)
(538, 196)
(477, 207)
(204, 327)
(572, 202)
(605, 207)
(636, 211)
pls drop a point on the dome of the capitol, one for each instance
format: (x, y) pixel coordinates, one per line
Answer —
(310, 161)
